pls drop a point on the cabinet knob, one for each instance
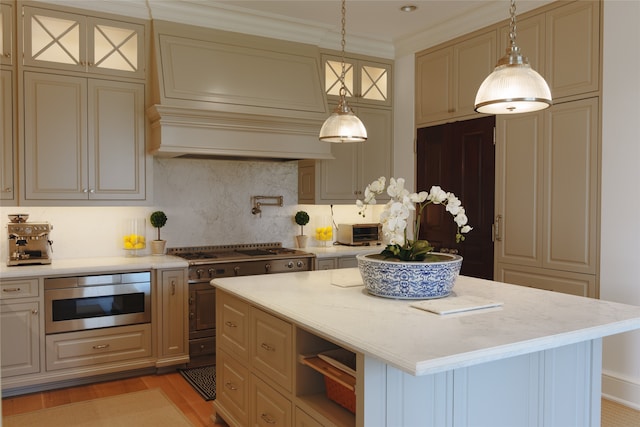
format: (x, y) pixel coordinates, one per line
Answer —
(7, 55)
(7, 190)
(34, 311)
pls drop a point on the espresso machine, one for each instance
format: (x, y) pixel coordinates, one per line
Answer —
(29, 242)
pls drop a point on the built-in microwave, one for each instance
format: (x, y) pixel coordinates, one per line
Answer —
(360, 234)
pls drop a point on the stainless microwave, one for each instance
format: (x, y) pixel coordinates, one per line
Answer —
(360, 234)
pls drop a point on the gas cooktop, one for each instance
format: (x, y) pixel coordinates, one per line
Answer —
(241, 252)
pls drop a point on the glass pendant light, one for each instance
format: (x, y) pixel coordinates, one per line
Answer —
(513, 87)
(342, 125)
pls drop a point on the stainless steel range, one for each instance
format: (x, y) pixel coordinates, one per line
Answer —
(209, 262)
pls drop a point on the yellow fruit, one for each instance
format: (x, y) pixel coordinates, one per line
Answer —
(139, 245)
(128, 245)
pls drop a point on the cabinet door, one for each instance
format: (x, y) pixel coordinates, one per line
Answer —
(20, 333)
(7, 145)
(272, 347)
(375, 155)
(518, 233)
(175, 330)
(55, 137)
(232, 391)
(6, 34)
(232, 320)
(339, 176)
(270, 408)
(365, 81)
(116, 149)
(571, 186)
(474, 60)
(434, 86)
(573, 48)
(530, 39)
(115, 48)
(54, 39)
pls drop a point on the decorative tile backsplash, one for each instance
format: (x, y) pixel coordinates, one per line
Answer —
(207, 202)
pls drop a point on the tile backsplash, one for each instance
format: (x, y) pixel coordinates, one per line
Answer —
(207, 202)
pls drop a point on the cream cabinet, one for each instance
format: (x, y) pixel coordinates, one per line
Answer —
(171, 294)
(20, 318)
(83, 139)
(261, 378)
(343, 179)
(367, 80)
(547, 189)
(6, 34)
(336, 262)
(448, 77)
(67, 41)
(7, 137)
(563, 45)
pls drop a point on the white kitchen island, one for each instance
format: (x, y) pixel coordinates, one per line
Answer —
(534, 361)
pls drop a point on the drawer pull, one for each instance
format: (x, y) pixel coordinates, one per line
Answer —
(100, 346)
(267, 347)
(173, 287)
(11, 289)
(267, 419)
(230, 386)
(230, 324)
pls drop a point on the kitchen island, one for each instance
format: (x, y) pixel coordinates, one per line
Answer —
(534, 360)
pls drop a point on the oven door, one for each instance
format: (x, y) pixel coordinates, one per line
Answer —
(90, 307)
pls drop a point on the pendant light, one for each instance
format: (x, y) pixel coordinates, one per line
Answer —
(513, 87)
(343, 125)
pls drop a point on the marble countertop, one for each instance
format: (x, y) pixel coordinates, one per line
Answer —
(341, 250)
(419, 342)
(91, 265)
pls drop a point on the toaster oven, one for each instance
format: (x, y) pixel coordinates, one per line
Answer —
(360, 234)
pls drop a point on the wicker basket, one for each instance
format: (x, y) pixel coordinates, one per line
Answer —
(340, 394)
(339, 384)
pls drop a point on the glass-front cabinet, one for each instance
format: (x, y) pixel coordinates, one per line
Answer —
(366, 81)
(73, 42)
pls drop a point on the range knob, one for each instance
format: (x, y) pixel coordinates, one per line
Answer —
(212, 272)
(290, 264)
(300, 264)
(199, 273)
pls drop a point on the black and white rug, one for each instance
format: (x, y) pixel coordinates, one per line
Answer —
(203, 379)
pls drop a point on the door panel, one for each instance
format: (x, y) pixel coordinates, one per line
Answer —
(460, 158)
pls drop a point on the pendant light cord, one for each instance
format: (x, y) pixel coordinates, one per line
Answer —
(512, 24)
(343, 90)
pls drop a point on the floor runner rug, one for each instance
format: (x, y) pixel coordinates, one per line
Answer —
(148, 408)
(203, 379)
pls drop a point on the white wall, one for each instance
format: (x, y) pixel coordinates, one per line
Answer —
(620, 228)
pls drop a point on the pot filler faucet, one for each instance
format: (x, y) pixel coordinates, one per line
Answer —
(271, 201)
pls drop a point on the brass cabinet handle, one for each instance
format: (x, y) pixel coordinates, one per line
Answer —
(267, 418)
(173, 287)
(267, 347)
(100, 346)
(10, 289)
(230, 324)
(230, 386)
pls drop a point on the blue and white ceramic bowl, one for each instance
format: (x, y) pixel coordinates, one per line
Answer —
(409, 280)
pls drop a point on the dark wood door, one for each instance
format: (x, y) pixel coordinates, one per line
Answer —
(460, 158)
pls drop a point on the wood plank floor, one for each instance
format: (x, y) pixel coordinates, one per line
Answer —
(172, 384)
(195, 407)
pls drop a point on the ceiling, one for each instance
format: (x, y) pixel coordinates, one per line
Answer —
(376, 27)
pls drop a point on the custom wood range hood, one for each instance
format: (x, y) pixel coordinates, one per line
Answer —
(221, 94)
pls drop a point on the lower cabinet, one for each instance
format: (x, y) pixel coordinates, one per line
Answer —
(98, 346)
(171, 316)
(272, 387)
(20, 332)
(337, 262)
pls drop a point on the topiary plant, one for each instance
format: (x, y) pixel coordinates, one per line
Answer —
(302, 219)
(158, 220)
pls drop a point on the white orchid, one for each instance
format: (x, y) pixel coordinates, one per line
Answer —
(394, 218)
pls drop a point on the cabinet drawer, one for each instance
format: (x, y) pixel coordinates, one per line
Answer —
(232, 392)
(202, 346)
(98, 346)
(233, 325)
(270, 408)
(272, 347)
(18, 288)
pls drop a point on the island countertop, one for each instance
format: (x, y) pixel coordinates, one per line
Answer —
(422, 343)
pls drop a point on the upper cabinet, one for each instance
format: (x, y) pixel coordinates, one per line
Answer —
(7, 145)
(563, 45)
(84, 139)
(6, 34)
(447, 78)
(366, 81)
(73, 42)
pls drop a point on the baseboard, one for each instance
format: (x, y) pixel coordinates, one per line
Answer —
(625, 391)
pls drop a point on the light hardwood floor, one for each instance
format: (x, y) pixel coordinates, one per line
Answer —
(172, 384)
(195, 407)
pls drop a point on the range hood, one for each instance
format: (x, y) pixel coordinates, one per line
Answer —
(221, 94)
